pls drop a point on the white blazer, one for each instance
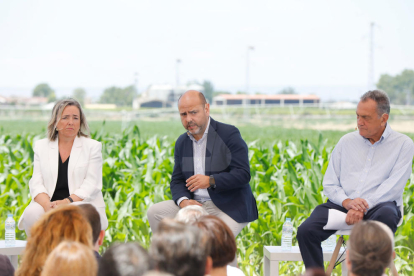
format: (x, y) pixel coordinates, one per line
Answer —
(84, 170)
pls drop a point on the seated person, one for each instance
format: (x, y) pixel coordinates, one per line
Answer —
(125, 259)
(67, 166)
(69, 259)
(223, 245)
(370, 249)
(64, 223)
(180, 249)
(365, 177)
(190, 213)
(92, 215)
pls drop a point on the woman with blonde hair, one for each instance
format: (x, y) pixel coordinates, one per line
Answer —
(70, 259)
(67, 166)
(64, 223)
(370, 248)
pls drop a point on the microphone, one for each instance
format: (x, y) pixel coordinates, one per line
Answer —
(58, 129)
(356, 128)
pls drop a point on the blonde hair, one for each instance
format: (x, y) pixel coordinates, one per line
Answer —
(69, 259)
(370, 249)
(64, 223)
(52, 133)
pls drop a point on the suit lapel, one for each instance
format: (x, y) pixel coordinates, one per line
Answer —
(211, 139)
(73, 160)
(54, 160)
(188, 159)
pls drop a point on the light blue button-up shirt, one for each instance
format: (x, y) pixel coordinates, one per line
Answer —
(375, 172)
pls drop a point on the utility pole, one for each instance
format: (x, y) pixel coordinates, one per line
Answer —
(371, 81)
(246, 109)
(177, 71)
(136, 82)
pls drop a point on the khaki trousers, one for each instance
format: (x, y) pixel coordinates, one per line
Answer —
(168, 209)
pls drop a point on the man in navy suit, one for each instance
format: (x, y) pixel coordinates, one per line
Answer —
(211, 169)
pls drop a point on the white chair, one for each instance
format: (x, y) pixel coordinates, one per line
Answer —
(340, 241)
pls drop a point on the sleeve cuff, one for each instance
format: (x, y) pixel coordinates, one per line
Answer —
(181, 199)
(339, 199)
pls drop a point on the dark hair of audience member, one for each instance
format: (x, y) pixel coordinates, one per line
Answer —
(125, 259)
(64, 223)
(6, 268)
(370, 249)
(69, 259)
(223, 244)
(94, 219)
(180, 249)
(315, 272)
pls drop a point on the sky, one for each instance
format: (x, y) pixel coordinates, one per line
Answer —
(318, 46)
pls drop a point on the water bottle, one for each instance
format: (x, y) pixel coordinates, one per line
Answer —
(329, 244)
(10, 227)
(287, 235)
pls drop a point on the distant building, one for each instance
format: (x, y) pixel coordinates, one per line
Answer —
(164, 95)
(279, 99)
(26, 101)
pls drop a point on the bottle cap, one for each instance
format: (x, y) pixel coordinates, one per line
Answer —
(287, 219)
(9, 215)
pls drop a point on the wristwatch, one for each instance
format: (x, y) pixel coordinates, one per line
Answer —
(212, 182)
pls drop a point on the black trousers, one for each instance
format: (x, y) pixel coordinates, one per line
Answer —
(310, 233)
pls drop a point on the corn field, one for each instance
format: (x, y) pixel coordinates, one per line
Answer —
(286, 181)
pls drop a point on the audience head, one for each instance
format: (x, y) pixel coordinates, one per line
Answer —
(125, 259)
(190, 213)
(369, 248)
(315, 272)
(64, 223)
(69, 259)
(6, 268)
(180, 249)
(92, 215)
(222, 241)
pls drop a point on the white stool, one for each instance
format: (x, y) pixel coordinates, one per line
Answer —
(274, 254)
(13, 252)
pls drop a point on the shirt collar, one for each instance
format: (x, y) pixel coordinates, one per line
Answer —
(204, 134)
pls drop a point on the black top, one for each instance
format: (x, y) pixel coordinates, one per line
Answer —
(62, 186)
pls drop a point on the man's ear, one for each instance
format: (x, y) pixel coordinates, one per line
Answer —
(101, 237)
(384, 119)
(209, 265)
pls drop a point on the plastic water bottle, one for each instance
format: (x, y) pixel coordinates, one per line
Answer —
(10, 227)
(287, 235)
(329, 244)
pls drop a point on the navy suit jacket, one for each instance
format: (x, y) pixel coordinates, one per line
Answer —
(227, 160)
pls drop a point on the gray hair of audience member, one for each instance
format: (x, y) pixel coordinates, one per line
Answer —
(381, 98)
(180, 249)
(370, 248)
(6, 268)
(92, 215)
(190, 213)
(125, 259)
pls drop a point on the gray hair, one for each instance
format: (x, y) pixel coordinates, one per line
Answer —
(52, 133)
(190, 214)
(381, 98)
(180, 249)
(125, 259)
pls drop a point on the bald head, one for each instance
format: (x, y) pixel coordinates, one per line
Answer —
(192, 97)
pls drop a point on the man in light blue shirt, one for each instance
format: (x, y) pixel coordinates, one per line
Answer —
(365, 177)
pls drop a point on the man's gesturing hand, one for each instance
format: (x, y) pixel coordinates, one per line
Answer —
(357, 204)
(187, 202)
(353, 217)
(198, 181)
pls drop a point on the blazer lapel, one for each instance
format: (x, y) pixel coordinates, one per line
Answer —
(54, 160)
(188, 159)
(211, 139)
(74, 157)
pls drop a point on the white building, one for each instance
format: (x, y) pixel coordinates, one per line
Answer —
(163, 95)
